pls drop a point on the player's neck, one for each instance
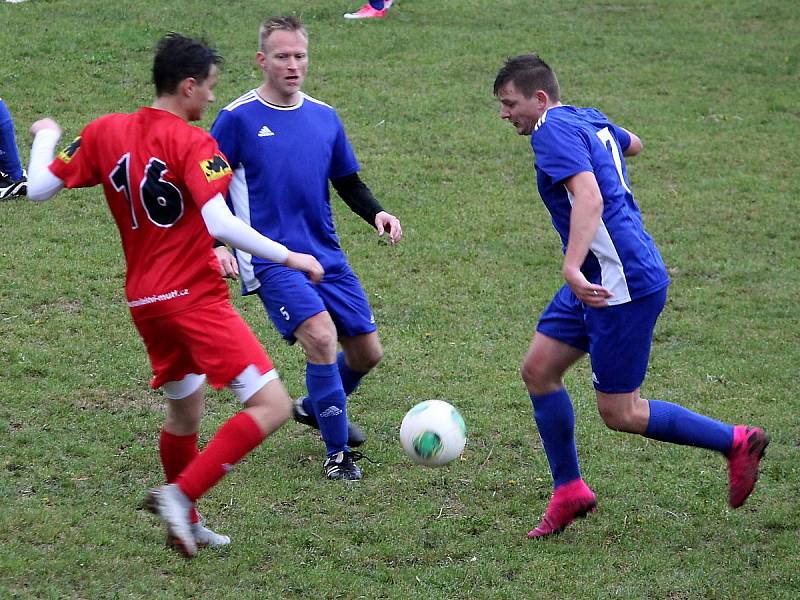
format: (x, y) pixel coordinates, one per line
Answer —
(273, 97)
(171, 104)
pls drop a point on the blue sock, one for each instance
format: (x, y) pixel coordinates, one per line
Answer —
(674, 423)
(9, 155)
(376, 4)
(556, 422)
(350, 378)
(328, 402)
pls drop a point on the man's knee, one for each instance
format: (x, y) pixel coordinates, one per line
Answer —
(321, 339)
(279, 406)
(183, 415)
(537, 378)
(613, 417)
(318, 337)
(629, 417)
(270, 403)
(363, 352)
(370, 359)
(528, 372)
(182, 422)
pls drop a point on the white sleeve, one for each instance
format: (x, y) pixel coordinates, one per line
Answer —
(42, 184)
(224, 226)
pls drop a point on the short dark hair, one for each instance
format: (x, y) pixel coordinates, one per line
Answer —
(528, 73)
(179, 57)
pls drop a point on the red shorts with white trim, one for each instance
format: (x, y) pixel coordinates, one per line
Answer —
(212, 340)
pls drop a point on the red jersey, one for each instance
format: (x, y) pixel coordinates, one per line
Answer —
(157, 172)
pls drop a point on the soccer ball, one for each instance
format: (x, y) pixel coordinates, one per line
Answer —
(433, 433)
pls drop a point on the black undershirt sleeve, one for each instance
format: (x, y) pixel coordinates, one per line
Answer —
(357, 196)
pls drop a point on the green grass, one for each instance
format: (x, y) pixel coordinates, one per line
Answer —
(710, 87)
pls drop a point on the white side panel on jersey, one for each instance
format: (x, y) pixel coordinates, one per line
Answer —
(612, 274)
(241, 208)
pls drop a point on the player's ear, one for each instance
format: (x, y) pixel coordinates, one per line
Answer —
(260, 59)
(541, 97)
(186, 87)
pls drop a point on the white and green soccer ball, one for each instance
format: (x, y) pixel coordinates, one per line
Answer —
(433, 433)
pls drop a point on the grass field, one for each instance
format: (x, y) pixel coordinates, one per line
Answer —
(710, 87)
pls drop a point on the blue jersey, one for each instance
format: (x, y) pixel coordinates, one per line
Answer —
(622, 257)
(282, 158)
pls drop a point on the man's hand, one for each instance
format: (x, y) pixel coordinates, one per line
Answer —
(384, 222)
(590, 294)
(306, 263)
(228, 266)
(46, 123)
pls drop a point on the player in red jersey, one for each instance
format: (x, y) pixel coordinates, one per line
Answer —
(165, 182)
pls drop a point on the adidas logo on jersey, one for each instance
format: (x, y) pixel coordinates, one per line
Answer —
(265, 132)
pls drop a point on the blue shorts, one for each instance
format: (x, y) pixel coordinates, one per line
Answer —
(617, 338)
(290, 299)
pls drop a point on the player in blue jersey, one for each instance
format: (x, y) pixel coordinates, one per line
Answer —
(616, 286)
(284, 147)
(12, 176)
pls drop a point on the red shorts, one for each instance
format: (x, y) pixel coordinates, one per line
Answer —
(212, 340)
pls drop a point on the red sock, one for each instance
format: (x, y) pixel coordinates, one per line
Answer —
(238, 436)
(176, 452)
